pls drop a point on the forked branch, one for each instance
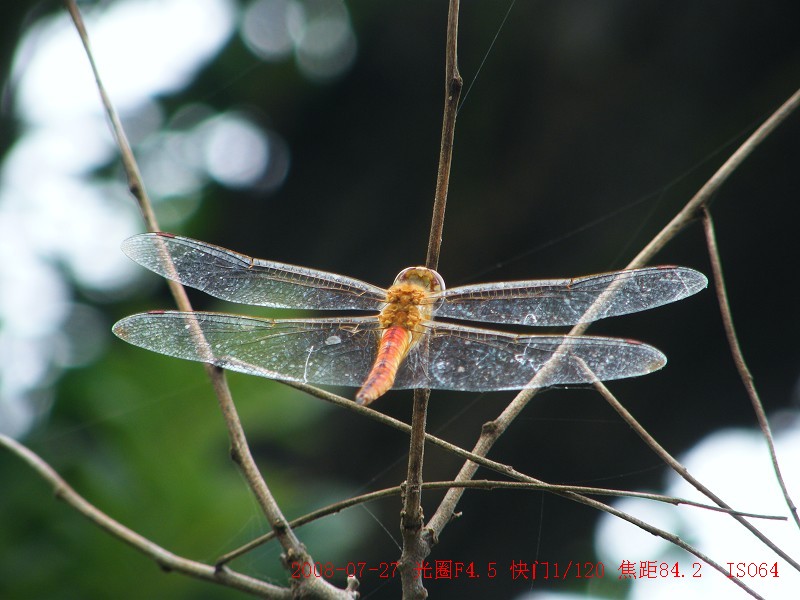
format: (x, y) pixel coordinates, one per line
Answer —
(493, 430)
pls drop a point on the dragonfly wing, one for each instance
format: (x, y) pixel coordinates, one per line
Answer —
(236, 277)
(571, 301)
(316, 351)
(478, 360)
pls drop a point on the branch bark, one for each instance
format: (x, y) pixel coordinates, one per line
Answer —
(163, 557)
(416, 542)
(240, 451)
(738, 357)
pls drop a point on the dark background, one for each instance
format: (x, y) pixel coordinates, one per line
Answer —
(588, 128)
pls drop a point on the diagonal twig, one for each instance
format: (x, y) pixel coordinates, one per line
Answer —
(164, 558)
(240, 450)
(684, 472)
(704, 195)
(738, 357)
(478, 484)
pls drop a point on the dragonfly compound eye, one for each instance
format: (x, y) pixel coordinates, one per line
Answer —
(426, 278)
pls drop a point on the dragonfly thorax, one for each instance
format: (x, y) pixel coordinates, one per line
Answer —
(403, 303)
(409, 301)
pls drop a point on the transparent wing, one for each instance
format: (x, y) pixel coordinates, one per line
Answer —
(479, 360)
(239, 278)
(570, 301)
(316, 351)
(342, 351)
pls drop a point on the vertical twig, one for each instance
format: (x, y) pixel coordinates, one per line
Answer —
(416, 543)
(452, 93)
(738, 357)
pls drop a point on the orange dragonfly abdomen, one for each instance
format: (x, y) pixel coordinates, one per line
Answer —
(395, 343)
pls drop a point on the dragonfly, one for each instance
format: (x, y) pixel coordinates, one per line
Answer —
(403, 344)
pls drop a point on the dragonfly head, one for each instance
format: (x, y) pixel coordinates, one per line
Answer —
(427, 279)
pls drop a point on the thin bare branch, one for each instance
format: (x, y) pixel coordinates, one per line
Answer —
(452, 92)
(406, 428)
(135, 182)
(295, 551)
(478, 484)
(738, 357)
(164, 558)
(475, 459)
(494, 429)
(670, 537)
(416, 543)
(702, 198)
(684, 472)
